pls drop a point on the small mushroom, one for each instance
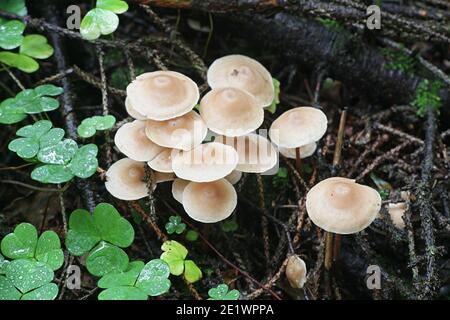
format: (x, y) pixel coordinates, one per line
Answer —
(162, 162)
(342, 206)
(209, 202)
(305, 151)
(298, 127)
(162, 95)
(244, 73)
(256, 153)
(206, 162)
(132, 141)
(132, 112)
(296, 272)
(397, 212)
(125, 180)
(185, 132)
(178, 186)
(231, 112)
(234, 177)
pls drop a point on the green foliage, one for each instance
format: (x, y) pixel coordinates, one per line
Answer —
(103, 19)
(175, 225)
(14, 6)
(174, 254)
(36, 46)
(276, 100)
(29, 101)
(28, 276)
(89, 126)
(11, 34)
(281, 180)
(427, 96)
(19, 61)
(384, 187)
(397, 60)
(191, 235)
(108, 231)
(221, 293)
(331, 24)
(229, 225)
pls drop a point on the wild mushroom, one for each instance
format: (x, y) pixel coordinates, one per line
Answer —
(231, 112)
(125, 180)
(397, 212)
(185, 132)
(342, 206)
(234, 177)
(305, 151)
(296, 272)
(209, 202)
(132, 141)
(162, 95)
(178, 186)
(244, 73)
(298, 127)
(206, 162)
(256, 153)
(132, 112)
(162, 162)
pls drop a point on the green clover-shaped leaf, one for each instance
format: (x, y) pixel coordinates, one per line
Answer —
(192, 272)
(50, 138)
(36, 46)
(175, 225)
(52, 173)
(83, 234)
(27, 275)
(19, 61)
(276, 100)
(221, 293)
(174, 255)
(3, 264)
(14, 6)
(11, 34)
(89, 126)
(25, 148)
(60, 153)
(122, 293)
(126, 278)
(39, 99)
(48, 291)
(9, 113)
(98, 22)
(7, 290)
(85, 231)
(84, 163)
(106, 258)
(21, 243)
(36, 130)
(229, 225)
(48, 250)
(153, 278)
(116, 6)
(191, 235)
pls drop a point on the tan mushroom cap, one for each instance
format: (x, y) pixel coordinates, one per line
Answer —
(125, 180)
(178, 186)
(244, 73)
(231, 112)
(296, 271)
(132, 112)
(162, 162)
(397, 212)
(206, 162)
(185, 132)
(256, 153)
(162, 95)
(234, 177)
(298, 127)
(342, 206)
(305, 151)
(209, 202)
(132, 141)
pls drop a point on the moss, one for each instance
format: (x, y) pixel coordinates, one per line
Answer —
(399, 61)
(331, 24)
(427, 95)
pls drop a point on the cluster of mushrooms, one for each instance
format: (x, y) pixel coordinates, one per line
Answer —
(170, 137)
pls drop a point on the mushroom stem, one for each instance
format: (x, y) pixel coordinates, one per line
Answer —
(298, 160)
(328, 250)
